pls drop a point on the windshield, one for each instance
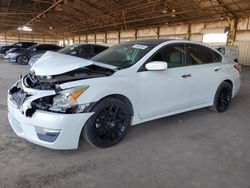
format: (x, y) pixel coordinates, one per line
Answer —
(123, 55)
(32, 47)
(68, 49)
(17, 44)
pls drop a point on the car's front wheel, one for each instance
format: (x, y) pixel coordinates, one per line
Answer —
(22, 60)
(222, 97)
(108, 125)
(5, 52)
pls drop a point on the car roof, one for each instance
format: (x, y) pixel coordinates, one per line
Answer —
(46, 45)
(90, 44)
(149, 41)
(29, 42)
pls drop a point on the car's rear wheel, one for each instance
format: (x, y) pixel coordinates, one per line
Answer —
(108, 125)
(222, 97)
(22, 60)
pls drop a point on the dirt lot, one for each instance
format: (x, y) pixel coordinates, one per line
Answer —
(198, 149)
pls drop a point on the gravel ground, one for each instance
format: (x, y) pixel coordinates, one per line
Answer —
(197, 149)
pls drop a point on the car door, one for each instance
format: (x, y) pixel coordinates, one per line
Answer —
(207, 67)
(162, 92)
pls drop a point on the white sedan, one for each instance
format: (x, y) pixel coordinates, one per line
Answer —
(64, 97)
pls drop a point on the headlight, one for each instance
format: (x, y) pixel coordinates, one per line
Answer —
(68, 100)
(12, 50)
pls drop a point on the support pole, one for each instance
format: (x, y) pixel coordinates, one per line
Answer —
(105, 38)
(188, 32)
(232, 30)
(119, 37)
(158, 32)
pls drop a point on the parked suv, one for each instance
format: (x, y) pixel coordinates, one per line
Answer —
(24, 45)
(64, 97)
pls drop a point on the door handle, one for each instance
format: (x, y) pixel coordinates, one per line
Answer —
(216, 69)
(186, 75)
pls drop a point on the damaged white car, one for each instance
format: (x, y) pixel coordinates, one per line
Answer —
(64, 97)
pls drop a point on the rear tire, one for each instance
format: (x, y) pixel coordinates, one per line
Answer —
(108, 125)
(222, 97)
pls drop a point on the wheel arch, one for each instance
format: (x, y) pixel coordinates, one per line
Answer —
(228, 81)
(225, 80)
(121, 98)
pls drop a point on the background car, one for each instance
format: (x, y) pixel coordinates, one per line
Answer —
(5, 49)
(86, 51)
(22, 56)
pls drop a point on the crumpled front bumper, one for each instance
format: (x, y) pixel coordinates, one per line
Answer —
(69, 125)
(48, 129)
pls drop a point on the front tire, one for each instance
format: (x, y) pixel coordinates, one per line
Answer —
(5, 52)
(22, 60)
(222, 97)
(109, 124)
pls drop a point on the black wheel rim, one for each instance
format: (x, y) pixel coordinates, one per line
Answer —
(224, 98)
(24, 60)
(110, 125)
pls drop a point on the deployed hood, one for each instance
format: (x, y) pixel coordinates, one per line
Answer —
(53, 63)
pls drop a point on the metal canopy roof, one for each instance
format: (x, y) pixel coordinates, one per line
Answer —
(60, 17)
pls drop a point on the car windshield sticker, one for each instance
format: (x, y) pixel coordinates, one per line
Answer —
(138, 46)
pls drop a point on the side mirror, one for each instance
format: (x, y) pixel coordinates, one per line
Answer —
(156, 66)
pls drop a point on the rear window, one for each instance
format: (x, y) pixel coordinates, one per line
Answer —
(203, 55)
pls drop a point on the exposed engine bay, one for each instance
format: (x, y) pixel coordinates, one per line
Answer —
(49, 82)
(55, 100)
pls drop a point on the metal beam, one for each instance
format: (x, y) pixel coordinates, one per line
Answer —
(41, 1)
(15, 13)
(9, 3)
(92, 5)
(227, 8)
(44, 12)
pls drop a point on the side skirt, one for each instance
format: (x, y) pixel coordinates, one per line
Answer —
(137, 121)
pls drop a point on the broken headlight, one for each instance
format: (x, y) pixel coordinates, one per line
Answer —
(68, 100)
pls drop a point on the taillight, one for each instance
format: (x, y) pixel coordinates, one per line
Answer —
(238, 67)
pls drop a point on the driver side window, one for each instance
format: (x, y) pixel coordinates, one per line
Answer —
(174, 55)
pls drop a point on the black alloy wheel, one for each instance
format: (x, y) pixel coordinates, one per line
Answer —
(22, 60)
(223, 97)
(109, 124)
